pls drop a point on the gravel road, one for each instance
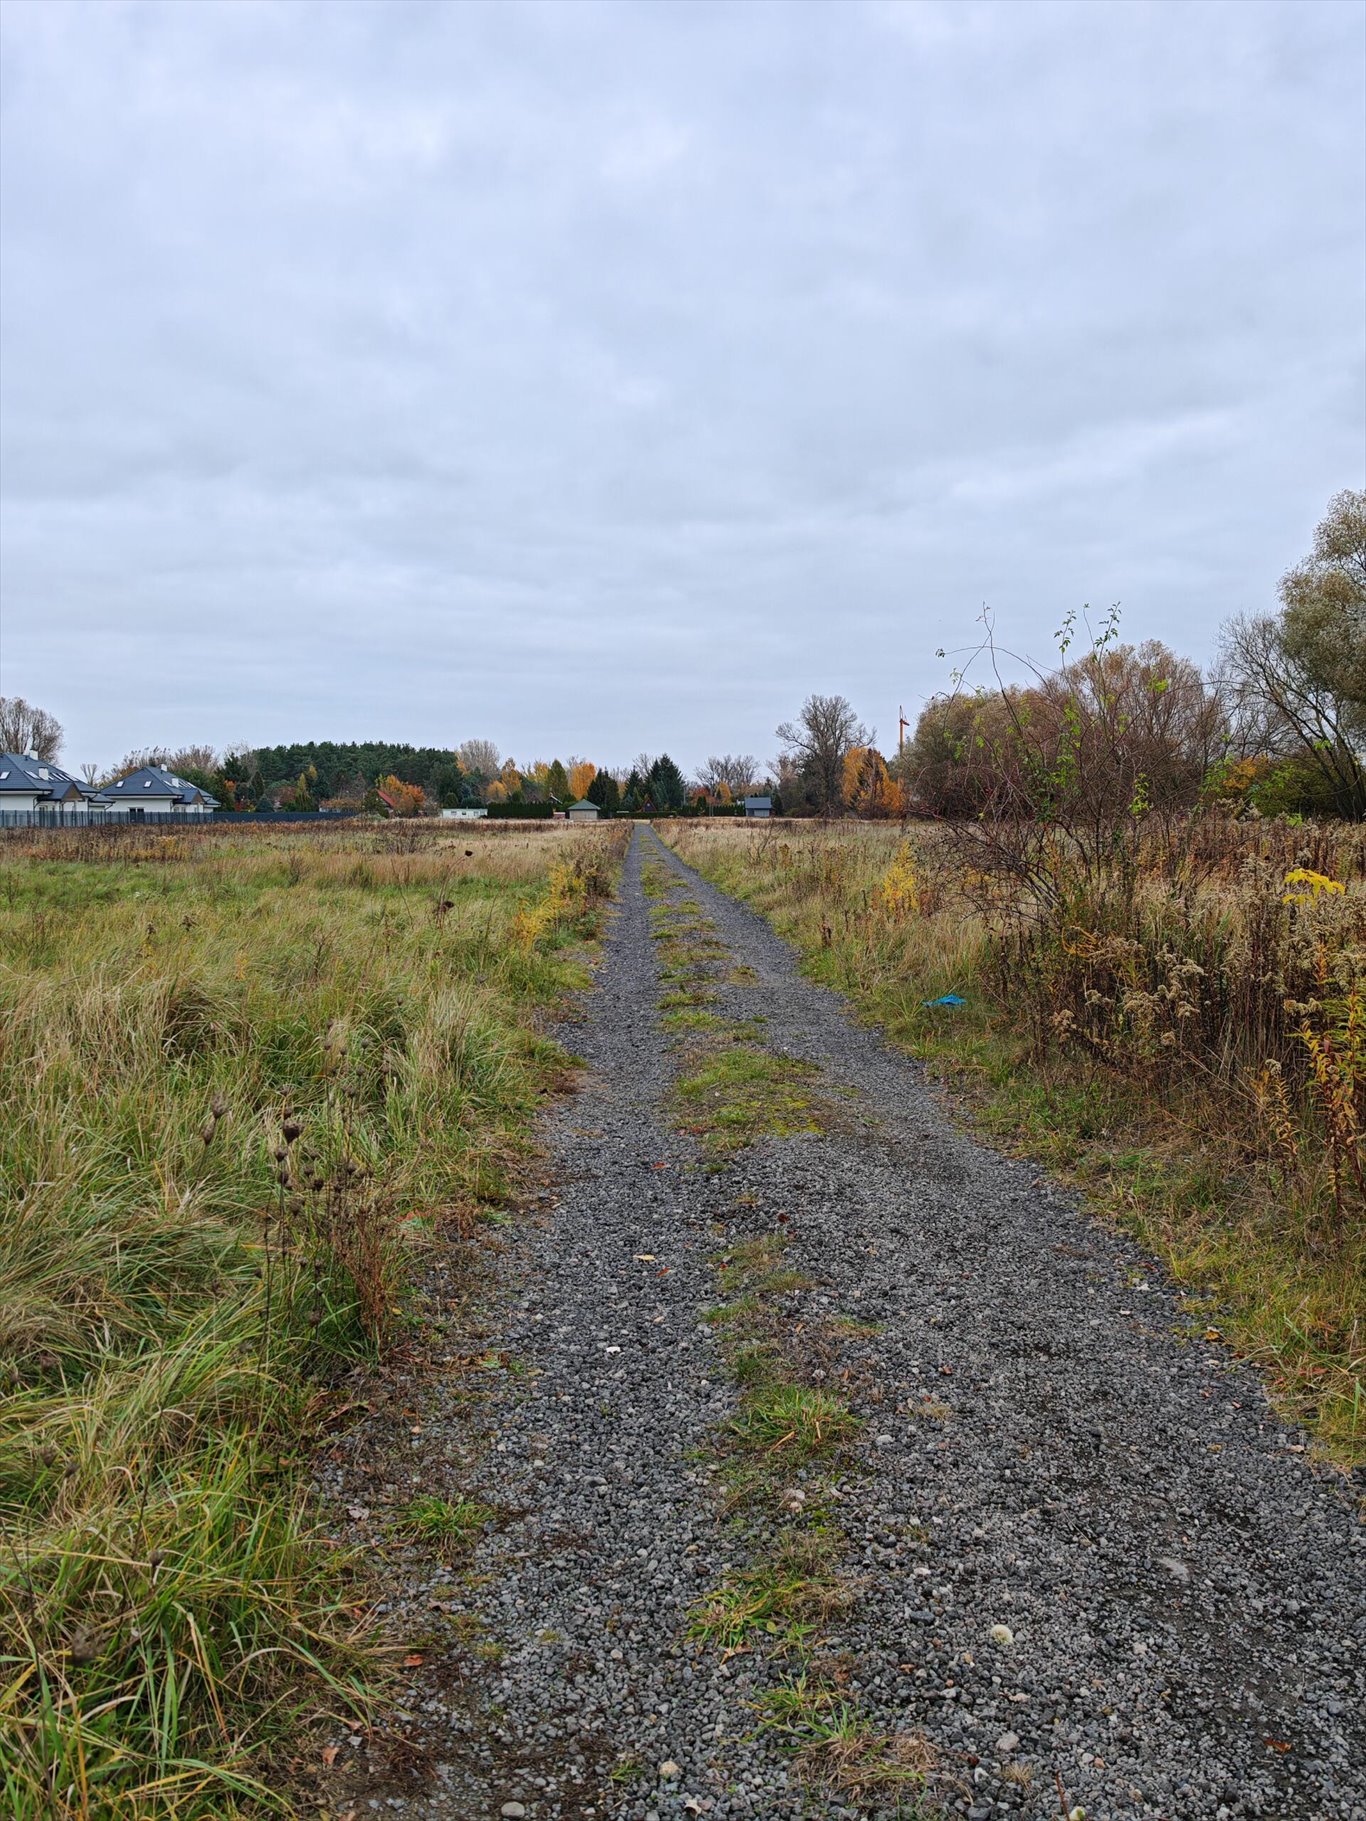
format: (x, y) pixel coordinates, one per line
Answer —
(1085, 1561)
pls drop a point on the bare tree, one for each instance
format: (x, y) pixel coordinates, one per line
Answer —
(480, 758)
(820, 740)
(135, 760)
(194, 758)
(24, 728)
(737, 771)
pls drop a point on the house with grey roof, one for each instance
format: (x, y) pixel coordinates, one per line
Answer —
(29, 784)
(151, 790)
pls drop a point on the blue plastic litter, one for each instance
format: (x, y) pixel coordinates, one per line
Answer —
(946, 999)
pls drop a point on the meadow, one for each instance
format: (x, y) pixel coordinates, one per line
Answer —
(1176, 1019)
(249, 1078)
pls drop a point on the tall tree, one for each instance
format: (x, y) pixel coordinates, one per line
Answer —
(480, 758)
(666, 784)
(1324, 601)
(1296, 682)
(557, 782)
(819, 741)
(604, 792)
(1280, 708)
(511, 778)
(581, 775)
(446, 783)
(24, 728)
(868, 790)
(737, 771)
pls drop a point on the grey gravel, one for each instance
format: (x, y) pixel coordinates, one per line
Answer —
(1184, 1594)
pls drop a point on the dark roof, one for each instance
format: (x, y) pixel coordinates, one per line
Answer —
(20, 773)
(155, 781)
(758, 802)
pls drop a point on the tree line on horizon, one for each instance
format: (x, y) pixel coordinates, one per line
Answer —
(1278, 726)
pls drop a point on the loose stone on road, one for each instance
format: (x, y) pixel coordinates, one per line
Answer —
(1047, 1551)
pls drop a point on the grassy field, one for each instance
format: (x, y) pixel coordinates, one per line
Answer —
(247, 1077)
(1190, 1046)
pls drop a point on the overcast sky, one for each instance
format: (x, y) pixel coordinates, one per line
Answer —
(606, 377)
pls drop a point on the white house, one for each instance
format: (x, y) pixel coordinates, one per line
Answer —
(154, 791)
(28, 783)
(463, 815)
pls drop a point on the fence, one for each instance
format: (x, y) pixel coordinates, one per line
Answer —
(145, 818)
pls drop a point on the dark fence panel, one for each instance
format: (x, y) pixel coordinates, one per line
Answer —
(52, 818)
(287, 815)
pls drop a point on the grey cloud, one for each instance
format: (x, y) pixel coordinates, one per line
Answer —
(601, 377)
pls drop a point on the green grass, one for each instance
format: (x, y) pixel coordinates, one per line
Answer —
(836, 1747)
(782, 1600)
(799, 1422)
(248, 1077)
(731, 1096)
(447, 1522)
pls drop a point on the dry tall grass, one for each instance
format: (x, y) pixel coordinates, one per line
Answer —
(1189, 1033)
(244, 1076)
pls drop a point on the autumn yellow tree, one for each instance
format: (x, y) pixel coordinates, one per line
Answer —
(581, 774)
(868, 790)
(399, 798)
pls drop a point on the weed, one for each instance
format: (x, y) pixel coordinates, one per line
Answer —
(835, 1745)
(797, 1421)
(783, 1598)
(446, 1522)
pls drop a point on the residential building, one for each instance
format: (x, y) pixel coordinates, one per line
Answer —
(154, 791)
(29, 784)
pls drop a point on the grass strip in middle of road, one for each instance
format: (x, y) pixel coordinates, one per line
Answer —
(777, 1458)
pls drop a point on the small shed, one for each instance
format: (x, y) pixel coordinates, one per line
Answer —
(759, 806)
(582, 811)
